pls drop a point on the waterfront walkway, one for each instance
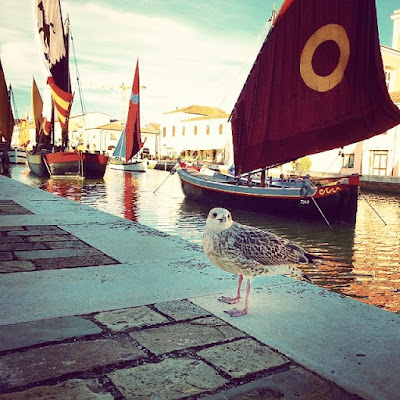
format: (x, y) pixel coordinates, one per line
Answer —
(93, 306)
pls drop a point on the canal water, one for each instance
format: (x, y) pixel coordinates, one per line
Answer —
(361, 261)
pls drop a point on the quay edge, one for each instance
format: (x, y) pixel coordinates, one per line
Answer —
(344, 341)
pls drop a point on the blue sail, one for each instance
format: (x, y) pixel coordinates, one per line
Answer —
(119, 151)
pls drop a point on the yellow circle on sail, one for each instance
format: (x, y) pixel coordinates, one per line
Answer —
(324, 83)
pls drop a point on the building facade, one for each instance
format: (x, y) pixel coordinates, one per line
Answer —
(196, 133)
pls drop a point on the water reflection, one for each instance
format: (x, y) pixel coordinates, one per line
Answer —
(361, 261)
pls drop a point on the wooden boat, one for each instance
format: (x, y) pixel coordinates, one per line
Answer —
(337, 200)
(305, 94)
(17, 156)
(48, 159)
(125, 155)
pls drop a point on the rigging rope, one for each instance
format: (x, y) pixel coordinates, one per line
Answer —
(248, 57)
(82, 101)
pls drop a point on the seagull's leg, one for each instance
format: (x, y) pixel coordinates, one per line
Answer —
(237, 313)
(233, 300)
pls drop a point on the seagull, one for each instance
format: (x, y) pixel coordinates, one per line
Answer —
(247, 251)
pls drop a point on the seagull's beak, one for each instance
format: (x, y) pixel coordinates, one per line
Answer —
(222, 219)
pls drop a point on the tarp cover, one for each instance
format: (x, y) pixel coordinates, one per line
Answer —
(317, 84)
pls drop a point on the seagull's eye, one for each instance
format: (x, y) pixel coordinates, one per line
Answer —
(214, 215)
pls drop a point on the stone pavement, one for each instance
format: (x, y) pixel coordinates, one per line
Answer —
(81, 319)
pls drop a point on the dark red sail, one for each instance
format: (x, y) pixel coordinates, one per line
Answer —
(317, 84)
(132, 128)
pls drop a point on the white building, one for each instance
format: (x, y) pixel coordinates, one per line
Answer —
(84, 130)
(195, 132)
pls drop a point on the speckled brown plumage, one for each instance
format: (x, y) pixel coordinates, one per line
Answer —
(249, 251)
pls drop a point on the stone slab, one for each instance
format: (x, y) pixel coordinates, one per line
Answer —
(49, 330)
(242, 357)
(167, 380)
(73, 262)
(21, 246)
(73, 389)
(38, 364)
(293, 384)
(345, 341)
(137, 317)
(181, 310)
(185, 335)
(57, 253)
(16, 266)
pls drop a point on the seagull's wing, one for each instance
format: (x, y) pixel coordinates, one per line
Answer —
(263, 247)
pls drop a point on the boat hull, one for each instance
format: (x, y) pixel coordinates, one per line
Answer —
(134, 166)
(85, 165)
(337, 202)
(17, 156)
(37, 164)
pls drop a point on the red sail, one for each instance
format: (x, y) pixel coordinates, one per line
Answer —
(132, 128)
(6, 114)
(317, 84)
(62, 102)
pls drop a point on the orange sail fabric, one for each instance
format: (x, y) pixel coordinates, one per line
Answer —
(37, 108)
(6, 114)
(317, 84)
(62, 101)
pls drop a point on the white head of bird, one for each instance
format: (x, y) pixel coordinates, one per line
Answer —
(219, 219)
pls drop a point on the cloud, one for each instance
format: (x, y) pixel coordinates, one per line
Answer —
(180, 63)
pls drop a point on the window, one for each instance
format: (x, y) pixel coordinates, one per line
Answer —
(183, 130)
(378, 162)
(164, 131)
(195, 130)
(221, 129)
(348, 161)
(207, 129)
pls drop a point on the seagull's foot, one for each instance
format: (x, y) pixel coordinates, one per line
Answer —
(229, 300)
(236, 312)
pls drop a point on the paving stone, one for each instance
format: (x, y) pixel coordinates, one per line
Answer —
(57, 253)
(11, 209)
(11, 239)
(167, 338)
(50, 330)
(242, 357)
(37, 364)
(181, 310)
(45, 228)
(67, 244)
(170, 379)
(21, 246)
(71, 262)
(16, 266)
(51, 238)
(137, 317)
(296, 383)
(74, 389)
(11, 228)
(5, 256)
(39, 232)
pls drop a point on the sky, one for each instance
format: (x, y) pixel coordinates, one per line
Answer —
(189, 51)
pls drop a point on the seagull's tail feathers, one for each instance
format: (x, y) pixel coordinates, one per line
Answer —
(307, 258)
(306, 278)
